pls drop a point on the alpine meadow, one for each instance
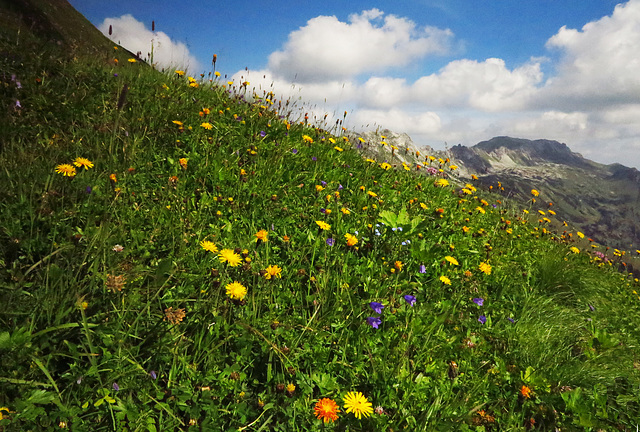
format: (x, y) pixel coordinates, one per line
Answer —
(184, 252)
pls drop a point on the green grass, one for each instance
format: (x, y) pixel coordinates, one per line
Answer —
(89, 335)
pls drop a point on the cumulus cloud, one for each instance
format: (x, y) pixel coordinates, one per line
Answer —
(327, 48)
(591, 100)
(134, 36)
(599, 64)
(486, 86)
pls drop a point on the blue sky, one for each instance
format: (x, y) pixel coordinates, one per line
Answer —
(441, 70)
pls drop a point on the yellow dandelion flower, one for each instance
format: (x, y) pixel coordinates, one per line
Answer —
(385, 166)
(480, 210)
(345, 211)
(262, 235)
(66, 170)
(83, 162)
(535, 193)
(357, 403)
(451, 260)
(207, 125)
(307, 138)
(179, 73)
(132, 60)
(445, 280)
(338, 148)
(372, 194)
(230, 257)
(574, 249)
(209, 246)
(485, 268)
(236, 290)
(580, 234)
(273, 271)
(351, 239)
(323, 225)
(442, 182)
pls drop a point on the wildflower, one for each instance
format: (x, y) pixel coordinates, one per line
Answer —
(177, 122)
(207, 125)
(183, 162)
(482, 319)
(351, 239)
(115, 386)
(422, 269)
(179, 73)
(479, 301)
(445, 280)
(357, 403)
(261, 236)
(485, 268)
(115, 283)
(319, 188)
(132, 60)
(307, 138)
(236, 290)
(345, 211)
(323, 225)
(442, 182)
(385, 166)
(273, 271)
(411, 300)
(535, 193)
(580, 234)
(117, 248)
(153, 375)
(451, 260)
(209, 246)
(338, 148)
(330, 241)
(526, 392)
(374, 322)
(326, 410)
(453, 167)
(174, 316)
(230, 257)
(294, 151)
(291, 388)
(398, 265)
(574, 249)
(66, 170)
(377, 307)
(83, 162)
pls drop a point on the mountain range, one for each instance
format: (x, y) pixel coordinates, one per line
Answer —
(602, 201)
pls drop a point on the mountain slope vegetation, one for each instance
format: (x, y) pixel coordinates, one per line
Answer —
(182, 253)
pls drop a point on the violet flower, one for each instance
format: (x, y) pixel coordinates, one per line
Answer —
(411, 300)
(374, 322)
(377, 307)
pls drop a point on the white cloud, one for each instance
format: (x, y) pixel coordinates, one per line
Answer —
(327, 49)
(599, 64)
(134, 36)
(591, 101)
(485, 86)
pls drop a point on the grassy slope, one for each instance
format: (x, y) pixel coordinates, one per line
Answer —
(80, 319)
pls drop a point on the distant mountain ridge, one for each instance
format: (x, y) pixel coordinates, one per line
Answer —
(603, 201)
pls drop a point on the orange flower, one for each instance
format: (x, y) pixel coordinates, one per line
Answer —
(526, 392)
(326, 410)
